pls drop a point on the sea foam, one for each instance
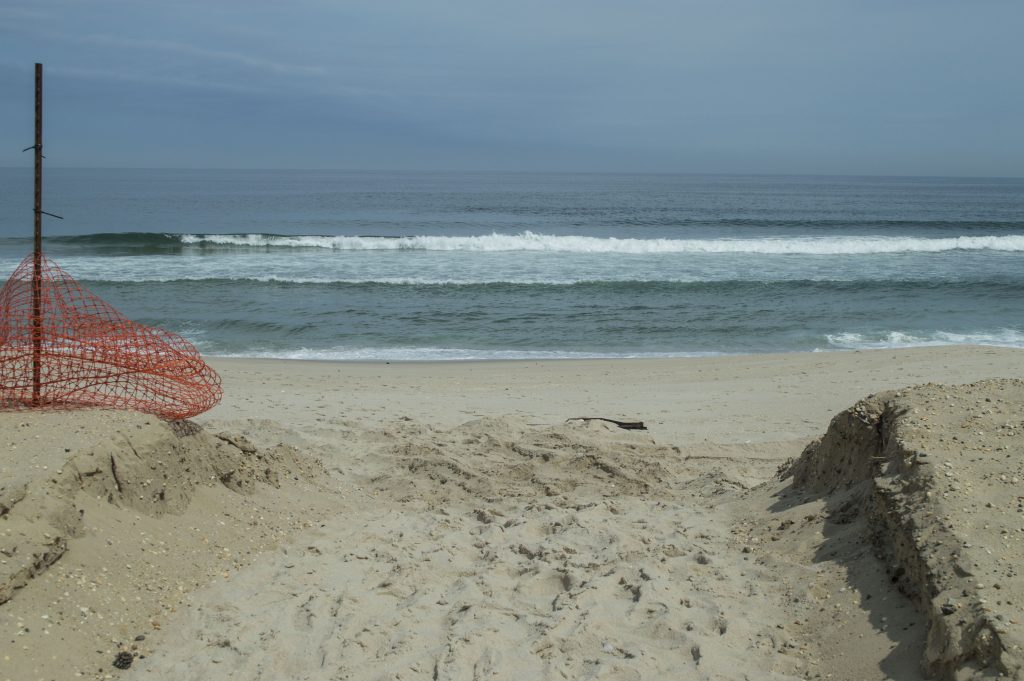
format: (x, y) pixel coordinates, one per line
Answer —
(1010, 338)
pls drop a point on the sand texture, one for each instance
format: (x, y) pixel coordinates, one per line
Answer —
(429, 521)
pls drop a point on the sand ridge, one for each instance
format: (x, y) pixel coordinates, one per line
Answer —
(936, 471)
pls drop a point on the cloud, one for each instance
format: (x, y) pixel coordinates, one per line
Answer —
(187, 49)
(148, 79)
(22, 13)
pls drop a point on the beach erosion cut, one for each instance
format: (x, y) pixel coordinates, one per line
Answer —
(789, 516)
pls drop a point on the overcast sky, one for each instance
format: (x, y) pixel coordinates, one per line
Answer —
(893, 87)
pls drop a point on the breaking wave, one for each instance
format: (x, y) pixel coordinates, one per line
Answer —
(529, 241)
(1009, 338)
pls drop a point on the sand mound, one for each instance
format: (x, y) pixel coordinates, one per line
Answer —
(490, 460)
(99, 529)
(936, 472)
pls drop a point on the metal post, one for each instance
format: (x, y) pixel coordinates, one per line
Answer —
(37, 270)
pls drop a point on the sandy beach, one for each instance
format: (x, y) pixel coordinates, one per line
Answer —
(790, 516)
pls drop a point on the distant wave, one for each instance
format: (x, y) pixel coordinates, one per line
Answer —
(374, 281)
(117, 238)
(740, 289)
(141, 241)
(144, 243)
(529, 241)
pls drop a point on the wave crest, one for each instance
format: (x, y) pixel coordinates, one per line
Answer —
(530, 241)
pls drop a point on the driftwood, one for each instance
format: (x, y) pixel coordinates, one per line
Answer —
(626, 425)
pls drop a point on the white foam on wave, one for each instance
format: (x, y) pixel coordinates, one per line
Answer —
(1010, 338)
(529, 241)
(837, 342)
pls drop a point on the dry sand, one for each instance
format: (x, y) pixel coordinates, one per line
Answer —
(444, 521)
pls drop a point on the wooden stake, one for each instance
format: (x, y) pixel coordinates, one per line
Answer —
(37, 273)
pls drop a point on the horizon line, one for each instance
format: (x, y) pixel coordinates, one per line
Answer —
(526, 172)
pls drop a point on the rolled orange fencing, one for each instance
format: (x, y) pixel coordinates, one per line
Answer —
(62, 347)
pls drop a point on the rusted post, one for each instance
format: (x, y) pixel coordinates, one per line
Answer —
(37, 271)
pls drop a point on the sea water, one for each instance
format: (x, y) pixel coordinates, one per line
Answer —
(415, 266)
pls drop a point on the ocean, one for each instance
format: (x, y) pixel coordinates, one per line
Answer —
(449, 266)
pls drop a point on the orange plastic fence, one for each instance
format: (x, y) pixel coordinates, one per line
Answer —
(81, 352)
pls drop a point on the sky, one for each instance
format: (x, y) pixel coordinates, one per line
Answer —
(893, 87)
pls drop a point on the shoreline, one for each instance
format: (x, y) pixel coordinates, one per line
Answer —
(214, 358)
(611, 358)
